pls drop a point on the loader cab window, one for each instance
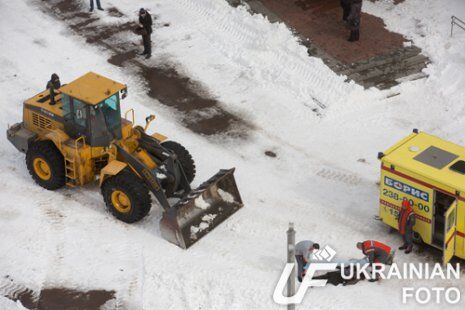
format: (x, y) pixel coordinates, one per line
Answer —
(111, 112)
(105, 119)
(75, 114)
(80, 113)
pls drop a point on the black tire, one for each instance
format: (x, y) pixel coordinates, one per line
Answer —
(184, 157)
(134, 189)
(46, 151)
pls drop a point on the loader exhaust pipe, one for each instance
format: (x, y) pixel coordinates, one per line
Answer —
(201, 210)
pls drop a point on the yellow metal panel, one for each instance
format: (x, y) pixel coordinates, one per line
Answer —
(159, 137)
(450, 233)
(45, 105)
(403, 156)
(400, 143)
(92, 88)
(113, 168)
(393, 189)
(460, 239)
(145, 158)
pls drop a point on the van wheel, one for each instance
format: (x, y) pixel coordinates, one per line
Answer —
(46, 165)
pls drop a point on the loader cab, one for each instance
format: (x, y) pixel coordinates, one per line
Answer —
(91, 108)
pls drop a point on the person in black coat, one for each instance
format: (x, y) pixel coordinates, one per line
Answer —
(53, 84)
(345, 4)
(354, 20)
(145, 21)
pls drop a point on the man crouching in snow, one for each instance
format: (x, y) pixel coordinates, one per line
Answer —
(376, 253)
(303, 250)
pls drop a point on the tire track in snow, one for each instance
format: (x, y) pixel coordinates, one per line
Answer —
(54, 218)
(338, 176)
(323, 91)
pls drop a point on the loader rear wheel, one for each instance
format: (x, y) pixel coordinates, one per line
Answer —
(184, 157)
(126, 197)
(46, 165)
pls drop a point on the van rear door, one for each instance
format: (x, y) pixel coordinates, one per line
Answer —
(450, 233)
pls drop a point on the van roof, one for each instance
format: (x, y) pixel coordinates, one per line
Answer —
(92, 88)
(431, 157)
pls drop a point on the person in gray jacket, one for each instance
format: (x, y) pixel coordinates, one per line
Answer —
(303, 250)
(354, 20)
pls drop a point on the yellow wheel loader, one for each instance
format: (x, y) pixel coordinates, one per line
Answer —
(76, 135)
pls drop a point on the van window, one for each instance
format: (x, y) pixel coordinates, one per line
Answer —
(458, 166)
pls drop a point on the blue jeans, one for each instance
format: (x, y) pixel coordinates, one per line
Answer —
(92, 4)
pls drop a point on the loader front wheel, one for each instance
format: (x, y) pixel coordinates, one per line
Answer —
(184, 157)
(46, 165)
(126, 197)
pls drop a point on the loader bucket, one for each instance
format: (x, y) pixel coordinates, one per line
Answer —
(201, 210)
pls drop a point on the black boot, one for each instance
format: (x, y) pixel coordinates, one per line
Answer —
(354, 35)
(403, 247)
(409, 249)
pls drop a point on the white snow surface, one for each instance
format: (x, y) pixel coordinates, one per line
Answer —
(260, 72)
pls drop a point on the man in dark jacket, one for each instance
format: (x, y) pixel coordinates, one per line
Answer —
(345, 4)
(53, 84)
(354, 19)
(406, 221)
(145, 21)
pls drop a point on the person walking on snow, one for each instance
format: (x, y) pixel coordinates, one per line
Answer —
(345, 4)
(99, 6)
(145, 20)
(406, 221)
(303, 250)
(354, 19)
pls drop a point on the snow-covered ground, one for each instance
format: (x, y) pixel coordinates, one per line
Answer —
(259, 71)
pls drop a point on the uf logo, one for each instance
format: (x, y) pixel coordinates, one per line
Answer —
(307, 282)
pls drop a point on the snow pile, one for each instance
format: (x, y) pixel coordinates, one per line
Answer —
(226, 196)
(201, 203)
(207, 219)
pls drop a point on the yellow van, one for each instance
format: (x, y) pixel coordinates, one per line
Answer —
(430, 173)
